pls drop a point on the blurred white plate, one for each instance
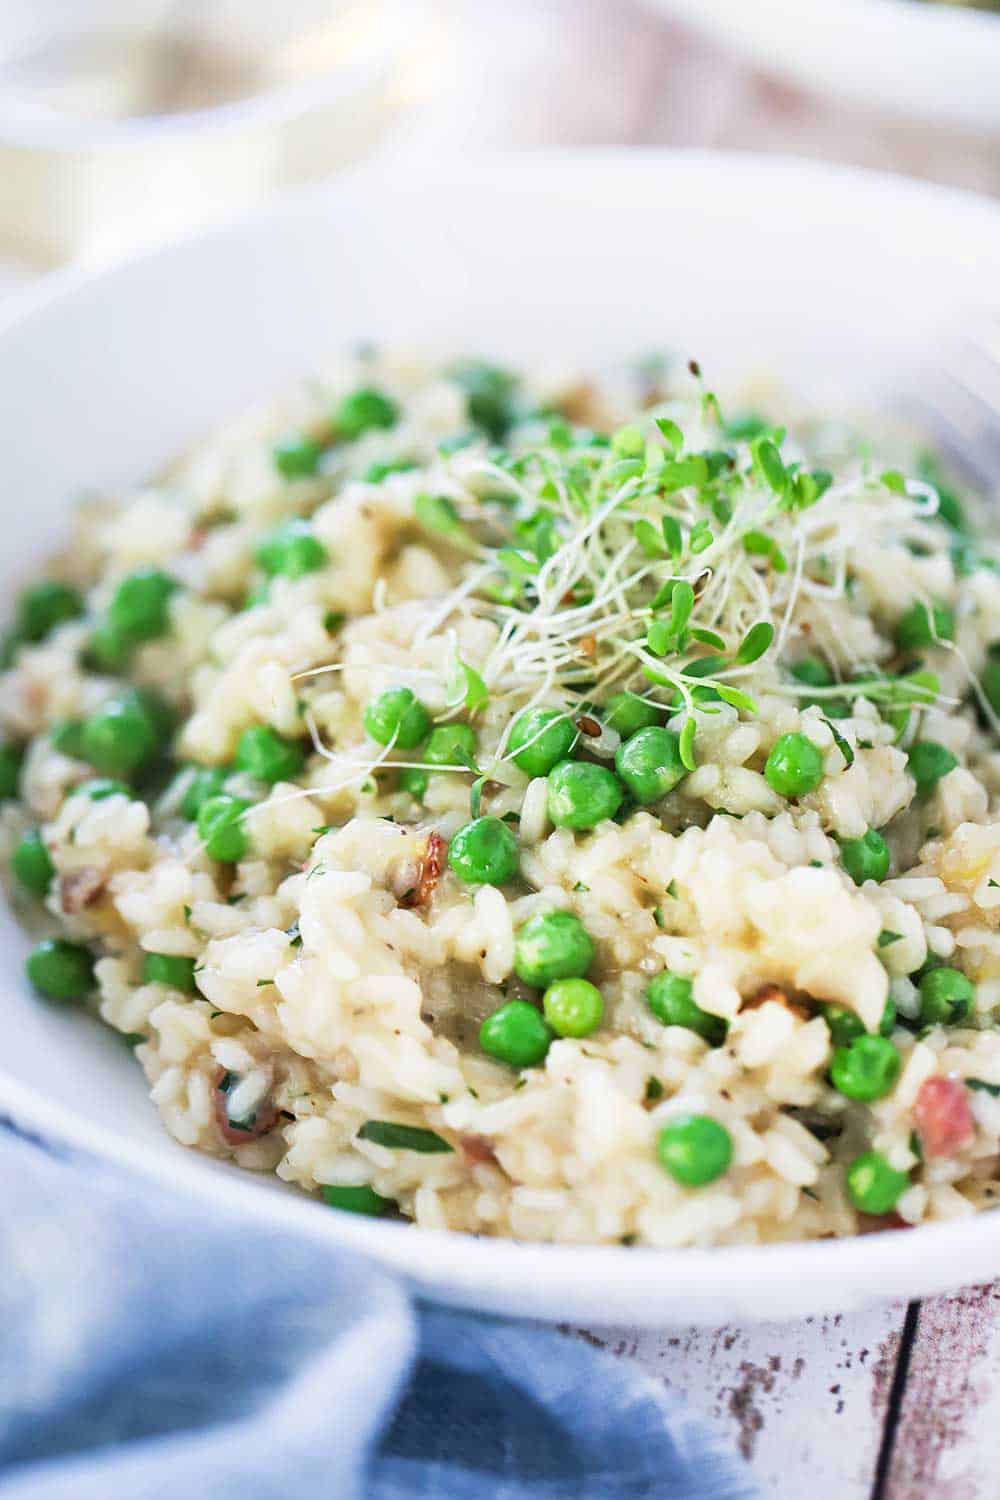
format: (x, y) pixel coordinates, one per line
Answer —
(831, 278)
(927, 61)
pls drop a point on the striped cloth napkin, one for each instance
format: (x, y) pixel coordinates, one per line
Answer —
(150, 1349)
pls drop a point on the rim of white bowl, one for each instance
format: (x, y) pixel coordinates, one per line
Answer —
(560, 1279)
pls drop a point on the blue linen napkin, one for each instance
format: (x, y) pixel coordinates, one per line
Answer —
(150, 1348)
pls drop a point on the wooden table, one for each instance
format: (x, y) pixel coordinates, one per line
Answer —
(896, 1403)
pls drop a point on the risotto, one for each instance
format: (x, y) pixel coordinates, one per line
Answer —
(531, 807)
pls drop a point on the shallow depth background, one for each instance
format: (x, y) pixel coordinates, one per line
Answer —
(97, 153)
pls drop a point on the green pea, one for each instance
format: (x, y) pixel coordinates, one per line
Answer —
(866, 858)
(581, 795)
(794, 766)
(573, 1007)
(11, 758)
(44, 606)
(263, 753)
(920, 627)
(489, 395)
(119, 737)
(946, 996)
(358, 1200)
(206, 782)
(364, 409)
(375, 473)
(160, 713)
(67, 738)
(296, 455)
(60, 970)
(291, 550)
(866, 1069)
(397, 716)
(872, 1185)
(171, 969)
(100, 787)
(627, 713)
(844, 1024)
(650, 763)
(107, 650)
(32, 864)
(539, 739)
(220, 827)
(813, 671)
(139, 606)
(990, 680)
(552, 945)
(484, 852)
(695, 1149)
(451, 745)
(259, 594)
(671, 999)
(927, 762)
(414, 781)
(516, 1034)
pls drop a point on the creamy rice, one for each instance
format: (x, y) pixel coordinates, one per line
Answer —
(339, 969)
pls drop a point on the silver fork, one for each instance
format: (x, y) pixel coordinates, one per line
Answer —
(957, 406)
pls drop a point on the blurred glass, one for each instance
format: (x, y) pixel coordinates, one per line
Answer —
(122, 121)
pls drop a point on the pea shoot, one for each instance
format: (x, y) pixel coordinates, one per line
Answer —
(922, 626)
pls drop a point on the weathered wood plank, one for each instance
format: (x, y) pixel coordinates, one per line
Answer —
(804, 1403)
(949, 1418)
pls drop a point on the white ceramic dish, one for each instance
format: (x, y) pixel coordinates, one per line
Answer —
(931, 62)
(832, 278)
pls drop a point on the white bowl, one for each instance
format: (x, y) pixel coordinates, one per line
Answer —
(832, 278)
(932, 62)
